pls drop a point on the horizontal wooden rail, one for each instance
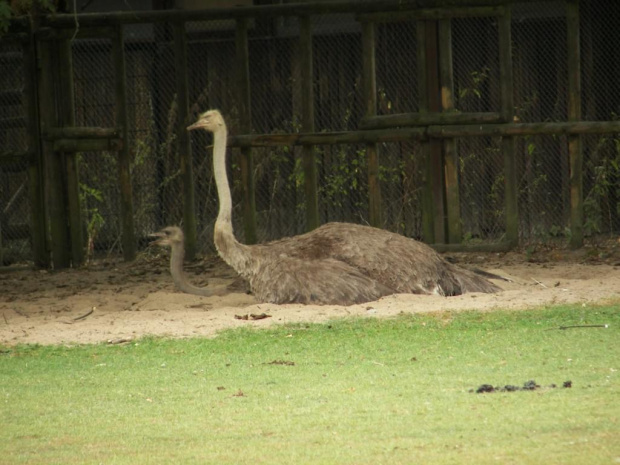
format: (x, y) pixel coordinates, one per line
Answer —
(432, 14)
(48, 33)
(427, 119)
(423, 133)
(263, 11)
(327, 138)
(88, 145)
(80, 133)
(524, 129)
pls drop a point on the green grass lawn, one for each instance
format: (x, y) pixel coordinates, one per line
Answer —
(359, 391)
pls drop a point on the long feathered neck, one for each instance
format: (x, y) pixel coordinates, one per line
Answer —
(221, 177)
(177, 254)
(235, 254)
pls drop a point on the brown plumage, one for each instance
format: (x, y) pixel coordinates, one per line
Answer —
(172, 236)
(338, 263)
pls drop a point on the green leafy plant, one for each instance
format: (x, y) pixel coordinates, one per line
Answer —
(90, 199)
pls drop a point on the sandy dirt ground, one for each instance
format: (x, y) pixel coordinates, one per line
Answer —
(117, 302)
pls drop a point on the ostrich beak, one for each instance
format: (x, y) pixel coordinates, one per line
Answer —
(197, 125)
(161, 238)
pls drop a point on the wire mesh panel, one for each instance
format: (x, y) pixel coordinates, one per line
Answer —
(98, 171)
(476, 64)
(337, 72)
(482, 181)
(397, 89)
(154, 108)
(401, 172)
(14, 206)
(601, 188)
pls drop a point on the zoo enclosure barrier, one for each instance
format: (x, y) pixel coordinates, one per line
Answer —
(449, 124)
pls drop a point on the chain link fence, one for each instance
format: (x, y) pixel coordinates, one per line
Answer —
(540, 78)
(14, 205)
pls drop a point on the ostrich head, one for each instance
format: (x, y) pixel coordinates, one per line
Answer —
(210, 120)
(168, 236)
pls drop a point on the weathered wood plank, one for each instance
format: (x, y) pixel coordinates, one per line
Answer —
(48, 81)
(264, 11)
(436, 178)
(128, 238)
(524, 129)
(575, 151)
(66, 113)
(87, 145)
(451, 156)
(427, 119)
(81, 133)
(432, 14)
(183, 141)
(36, 168)
(423, 134)
(511, 194)
(307, 100)
(327, 138)
(245, 126)
(428, 225)
(370, 98)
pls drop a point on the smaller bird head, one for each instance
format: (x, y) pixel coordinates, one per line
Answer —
(210, 120)
(168, 236)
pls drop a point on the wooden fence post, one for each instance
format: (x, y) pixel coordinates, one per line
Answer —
(370, 98)
(451, 156)
(436, 168)
(307, 102)
(124, 156)
(69, 160)
(428, 227)
(36, 168)
(245, 126)
(574, 114)
(511, 194)
(183, 141)
(47, 78)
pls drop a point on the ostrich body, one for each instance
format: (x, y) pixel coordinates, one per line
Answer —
(172, 236)
(338, 263)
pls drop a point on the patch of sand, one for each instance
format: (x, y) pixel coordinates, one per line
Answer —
(132, 300)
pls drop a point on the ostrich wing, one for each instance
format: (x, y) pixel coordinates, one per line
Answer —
(323, 281)
(395, 261)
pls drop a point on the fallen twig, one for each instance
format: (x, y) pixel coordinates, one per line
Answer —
(538, 282)
(120, 340)
(78, 318)
(578, 326)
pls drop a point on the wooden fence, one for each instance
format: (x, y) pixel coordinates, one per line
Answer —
(55, 140)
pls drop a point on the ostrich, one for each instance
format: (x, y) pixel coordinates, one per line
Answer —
(172, 236)
(337, 263)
